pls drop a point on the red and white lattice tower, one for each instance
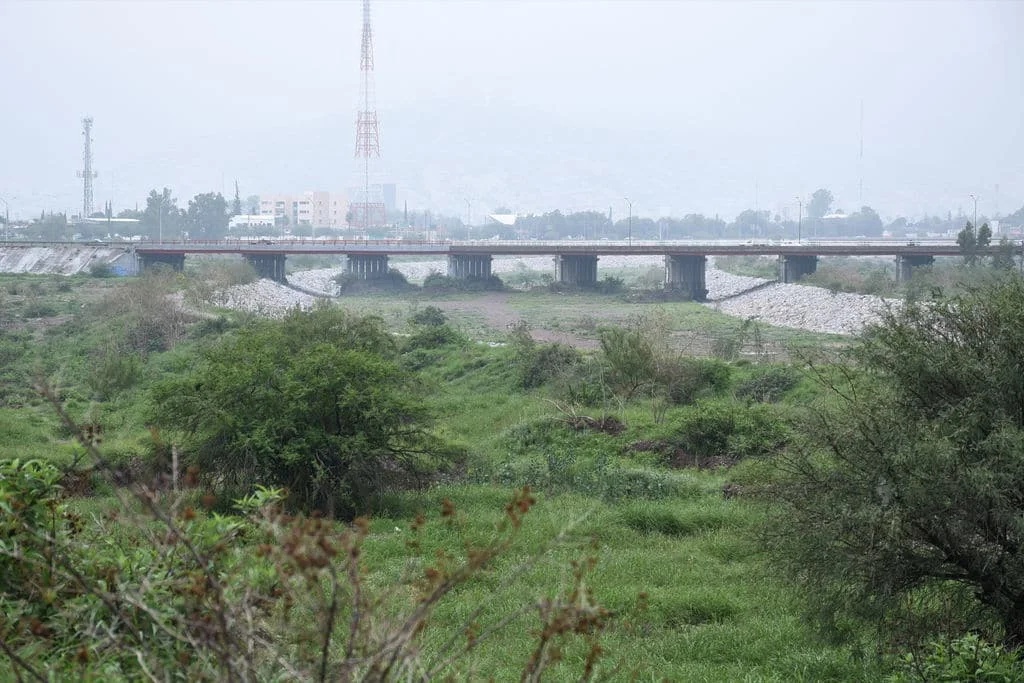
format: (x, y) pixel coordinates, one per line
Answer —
(367, 213)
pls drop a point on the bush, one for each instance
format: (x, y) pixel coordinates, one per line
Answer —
(29, 510)
(392, 281)
(545, 362)
(686, 380)
(435, 337)
(768, 385)
(111, 372)
(722, 428)
(436, 282)
(314, 403)
(911, 475)
(431, 316)
(38, 309)
(101, 270)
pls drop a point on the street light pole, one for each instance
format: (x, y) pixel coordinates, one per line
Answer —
(160, 220)
(630, 222)
(7, 219)
(975, 224)
(469, 219)
(799, 217)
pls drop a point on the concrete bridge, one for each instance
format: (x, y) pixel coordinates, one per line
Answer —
(576, 261)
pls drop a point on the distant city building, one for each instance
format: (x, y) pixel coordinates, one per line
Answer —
(319, 209)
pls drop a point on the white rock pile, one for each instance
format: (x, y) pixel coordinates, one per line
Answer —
(263, 297)
(796, 306)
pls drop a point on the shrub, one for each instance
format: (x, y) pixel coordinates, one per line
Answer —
(38, 309)
(431, 316)
(29, 509)
(684, 380)
(442, 283)
(392, 281)
(911, 476)
(435, 337)
(143, 315)
(768, 385)
(544, 363)
(723, 428)
(112, 372)
(101, 270)
(314, 403)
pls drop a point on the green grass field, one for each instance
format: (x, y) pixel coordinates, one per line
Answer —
(677, 563)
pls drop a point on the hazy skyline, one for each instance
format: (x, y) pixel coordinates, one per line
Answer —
(684, 107)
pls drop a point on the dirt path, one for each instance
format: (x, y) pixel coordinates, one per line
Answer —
(500, 316)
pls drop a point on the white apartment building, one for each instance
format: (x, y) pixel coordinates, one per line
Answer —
(316, 208)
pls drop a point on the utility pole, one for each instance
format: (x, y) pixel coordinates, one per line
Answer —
(160, 219)
(799, 217)
(630, 221)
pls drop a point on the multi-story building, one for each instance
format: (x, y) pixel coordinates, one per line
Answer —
(318, 209)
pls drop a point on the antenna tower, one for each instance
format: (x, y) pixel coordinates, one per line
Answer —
(87, 174)
(367, 213)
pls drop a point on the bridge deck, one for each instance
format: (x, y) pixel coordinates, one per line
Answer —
(534, 248)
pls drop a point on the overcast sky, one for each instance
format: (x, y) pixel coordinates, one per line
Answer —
(764, 98)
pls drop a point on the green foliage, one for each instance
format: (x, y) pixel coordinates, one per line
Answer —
(435, 336)
(913, 475)
(112, 372)
(685, 380)
(1003, 259)
(29, 511)
(314, 403)
(630, 356)
(392, 281)
(429, 316)
(101, 270)
(725, 429)
(437, 282)
(768, 385)
(537, 364)
(142, 316)
(969, 659)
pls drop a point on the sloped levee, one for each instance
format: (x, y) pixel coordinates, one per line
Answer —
(68, 260)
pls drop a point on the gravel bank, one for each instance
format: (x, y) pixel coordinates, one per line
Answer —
(796, 306)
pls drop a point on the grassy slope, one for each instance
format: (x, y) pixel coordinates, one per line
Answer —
(714, 613)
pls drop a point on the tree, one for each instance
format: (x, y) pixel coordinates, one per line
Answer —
(316, 403)
(984, 238)
(207, 216)
(820, 204)
(864, 222)
(161, 216)
(236, 205)
(912, 483)
(1003, 258)
(52, 227)
(967, 240)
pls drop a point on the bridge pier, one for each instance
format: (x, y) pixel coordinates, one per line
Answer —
(175, 262)
(464, 266)
(269, 266)
(905, 265)
(577, 270)
(367, 266)
(793, 267)
(686, 274)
